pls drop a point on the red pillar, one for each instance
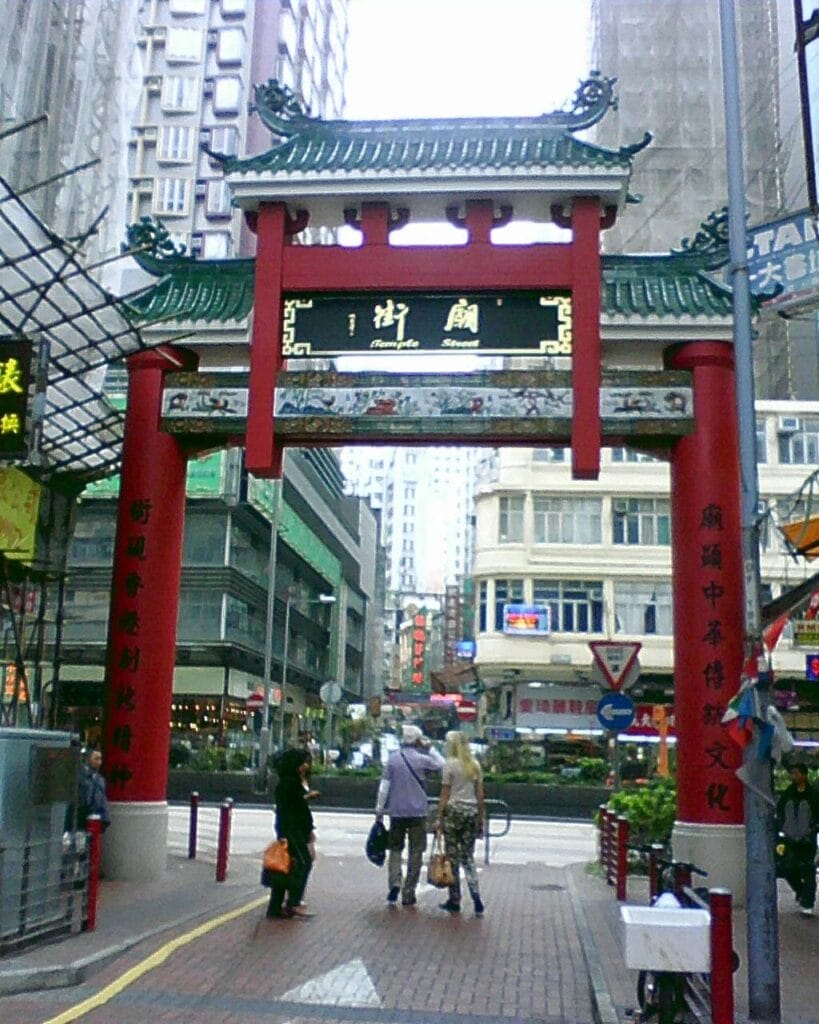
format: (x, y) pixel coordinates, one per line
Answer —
(586, 356)
(145, 590)
(263, 457)
(708, 589)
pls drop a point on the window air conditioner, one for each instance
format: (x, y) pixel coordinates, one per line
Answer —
(788, 424)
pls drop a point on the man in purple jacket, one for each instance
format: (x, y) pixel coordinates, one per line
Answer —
(402, 794)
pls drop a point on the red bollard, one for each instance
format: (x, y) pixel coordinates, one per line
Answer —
(93, 831)
(223, 850)
(722, 956)
(622, 857)
(193, 823)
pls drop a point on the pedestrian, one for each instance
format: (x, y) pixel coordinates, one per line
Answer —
(461, 818)
(91, 794)
(294, 822)
(402, 794)
(797, 815)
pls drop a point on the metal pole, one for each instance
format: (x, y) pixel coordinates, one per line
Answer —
(285, 653)
(763, 925)
(264, 735)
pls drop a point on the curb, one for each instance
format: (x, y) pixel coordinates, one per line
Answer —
(40, 979)
(602, 1003)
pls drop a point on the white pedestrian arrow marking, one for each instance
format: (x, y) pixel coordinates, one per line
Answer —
(347, 985)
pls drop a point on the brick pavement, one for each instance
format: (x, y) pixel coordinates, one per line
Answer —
(547, 951)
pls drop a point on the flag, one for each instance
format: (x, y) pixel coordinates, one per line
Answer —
(771, 635)
(739, 715)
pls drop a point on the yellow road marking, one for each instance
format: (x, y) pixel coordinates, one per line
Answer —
(148, 964)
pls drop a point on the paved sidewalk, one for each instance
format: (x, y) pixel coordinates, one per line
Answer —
(548, 951)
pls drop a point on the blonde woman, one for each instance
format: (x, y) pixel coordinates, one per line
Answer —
(461, 818)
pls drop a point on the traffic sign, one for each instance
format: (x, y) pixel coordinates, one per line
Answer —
(255, 701)
(617, 660)
(330, 692)
(615, 711)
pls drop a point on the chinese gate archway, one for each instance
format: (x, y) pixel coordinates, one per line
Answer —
(632, 350)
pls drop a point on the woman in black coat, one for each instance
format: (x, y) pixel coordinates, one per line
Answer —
(294, 822)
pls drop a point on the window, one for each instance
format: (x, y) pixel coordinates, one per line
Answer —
(182, 7)
(642, 608)
(506, 592)
(171, 196)
(215, 245)
(510, 520)
(549, 454)
(761, 442)
(227, 95)
(482, 601)
(204, 542)
(184, 46)
(640, 521)
(802, 446)
(225, 139)
(180, 94)
(629, 455)
(217, 199)
(576, 607)
(231, 46)
(175, 144)
(200, 615)
(567, 520)
(233, 8)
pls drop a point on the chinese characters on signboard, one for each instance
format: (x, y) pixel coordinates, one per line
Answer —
(15, 367)
(419, 647)
(718, 777)
(509, 323)
(127, 647)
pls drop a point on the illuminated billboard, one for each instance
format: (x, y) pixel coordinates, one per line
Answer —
(527, 619)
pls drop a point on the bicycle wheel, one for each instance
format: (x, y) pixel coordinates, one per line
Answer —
(666, 994)
(642, 986)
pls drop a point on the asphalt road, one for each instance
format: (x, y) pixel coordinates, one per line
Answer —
(551, 843)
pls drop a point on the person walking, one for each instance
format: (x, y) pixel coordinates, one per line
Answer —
(797, 815)
(91, 795)
(294, 822)
(461, 818)
(402, 794)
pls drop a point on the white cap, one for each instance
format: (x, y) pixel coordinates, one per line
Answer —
(410, 734)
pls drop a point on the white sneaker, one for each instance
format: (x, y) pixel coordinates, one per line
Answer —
(806, 911)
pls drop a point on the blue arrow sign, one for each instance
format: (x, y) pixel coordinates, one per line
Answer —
(615, 711)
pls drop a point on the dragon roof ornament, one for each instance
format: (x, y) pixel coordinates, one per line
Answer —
(710, 243)
(282, 112)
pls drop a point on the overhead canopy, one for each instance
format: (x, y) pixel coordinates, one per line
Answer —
(76, 328)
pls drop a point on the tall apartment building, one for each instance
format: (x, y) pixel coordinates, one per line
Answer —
(597, 556)
(667, 62)
(202, 59)
(425, 496)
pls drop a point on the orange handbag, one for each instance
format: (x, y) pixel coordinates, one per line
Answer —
(277, 858)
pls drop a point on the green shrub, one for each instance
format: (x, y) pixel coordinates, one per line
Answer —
(650, 809)
(207, 759)
(238, 760)
(592, 769)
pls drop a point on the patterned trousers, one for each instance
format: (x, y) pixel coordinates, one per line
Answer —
(460, 830)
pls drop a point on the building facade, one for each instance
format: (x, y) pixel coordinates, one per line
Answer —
(594, 557)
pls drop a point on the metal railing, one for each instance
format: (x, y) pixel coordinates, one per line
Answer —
(43, 890)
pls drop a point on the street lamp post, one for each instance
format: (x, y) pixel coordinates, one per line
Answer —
(321, 599)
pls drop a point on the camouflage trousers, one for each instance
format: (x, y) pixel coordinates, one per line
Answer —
(460, 831)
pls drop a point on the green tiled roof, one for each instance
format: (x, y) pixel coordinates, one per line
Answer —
(662, 286)
(306, 145)
(633, 286)
(413, 146)
(210, 290)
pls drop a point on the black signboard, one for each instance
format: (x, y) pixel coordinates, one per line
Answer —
(507, 323)
(15, 367)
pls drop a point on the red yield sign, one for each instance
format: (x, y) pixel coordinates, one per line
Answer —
(617, 661)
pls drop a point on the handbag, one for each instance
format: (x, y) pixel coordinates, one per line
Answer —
(277, 858)
(439, 869)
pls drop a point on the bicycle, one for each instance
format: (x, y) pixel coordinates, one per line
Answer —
(665, 995)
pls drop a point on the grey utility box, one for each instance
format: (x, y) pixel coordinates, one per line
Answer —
(38, 779)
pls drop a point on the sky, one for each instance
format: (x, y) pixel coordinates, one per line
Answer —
(461, 58)
(471, 58)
